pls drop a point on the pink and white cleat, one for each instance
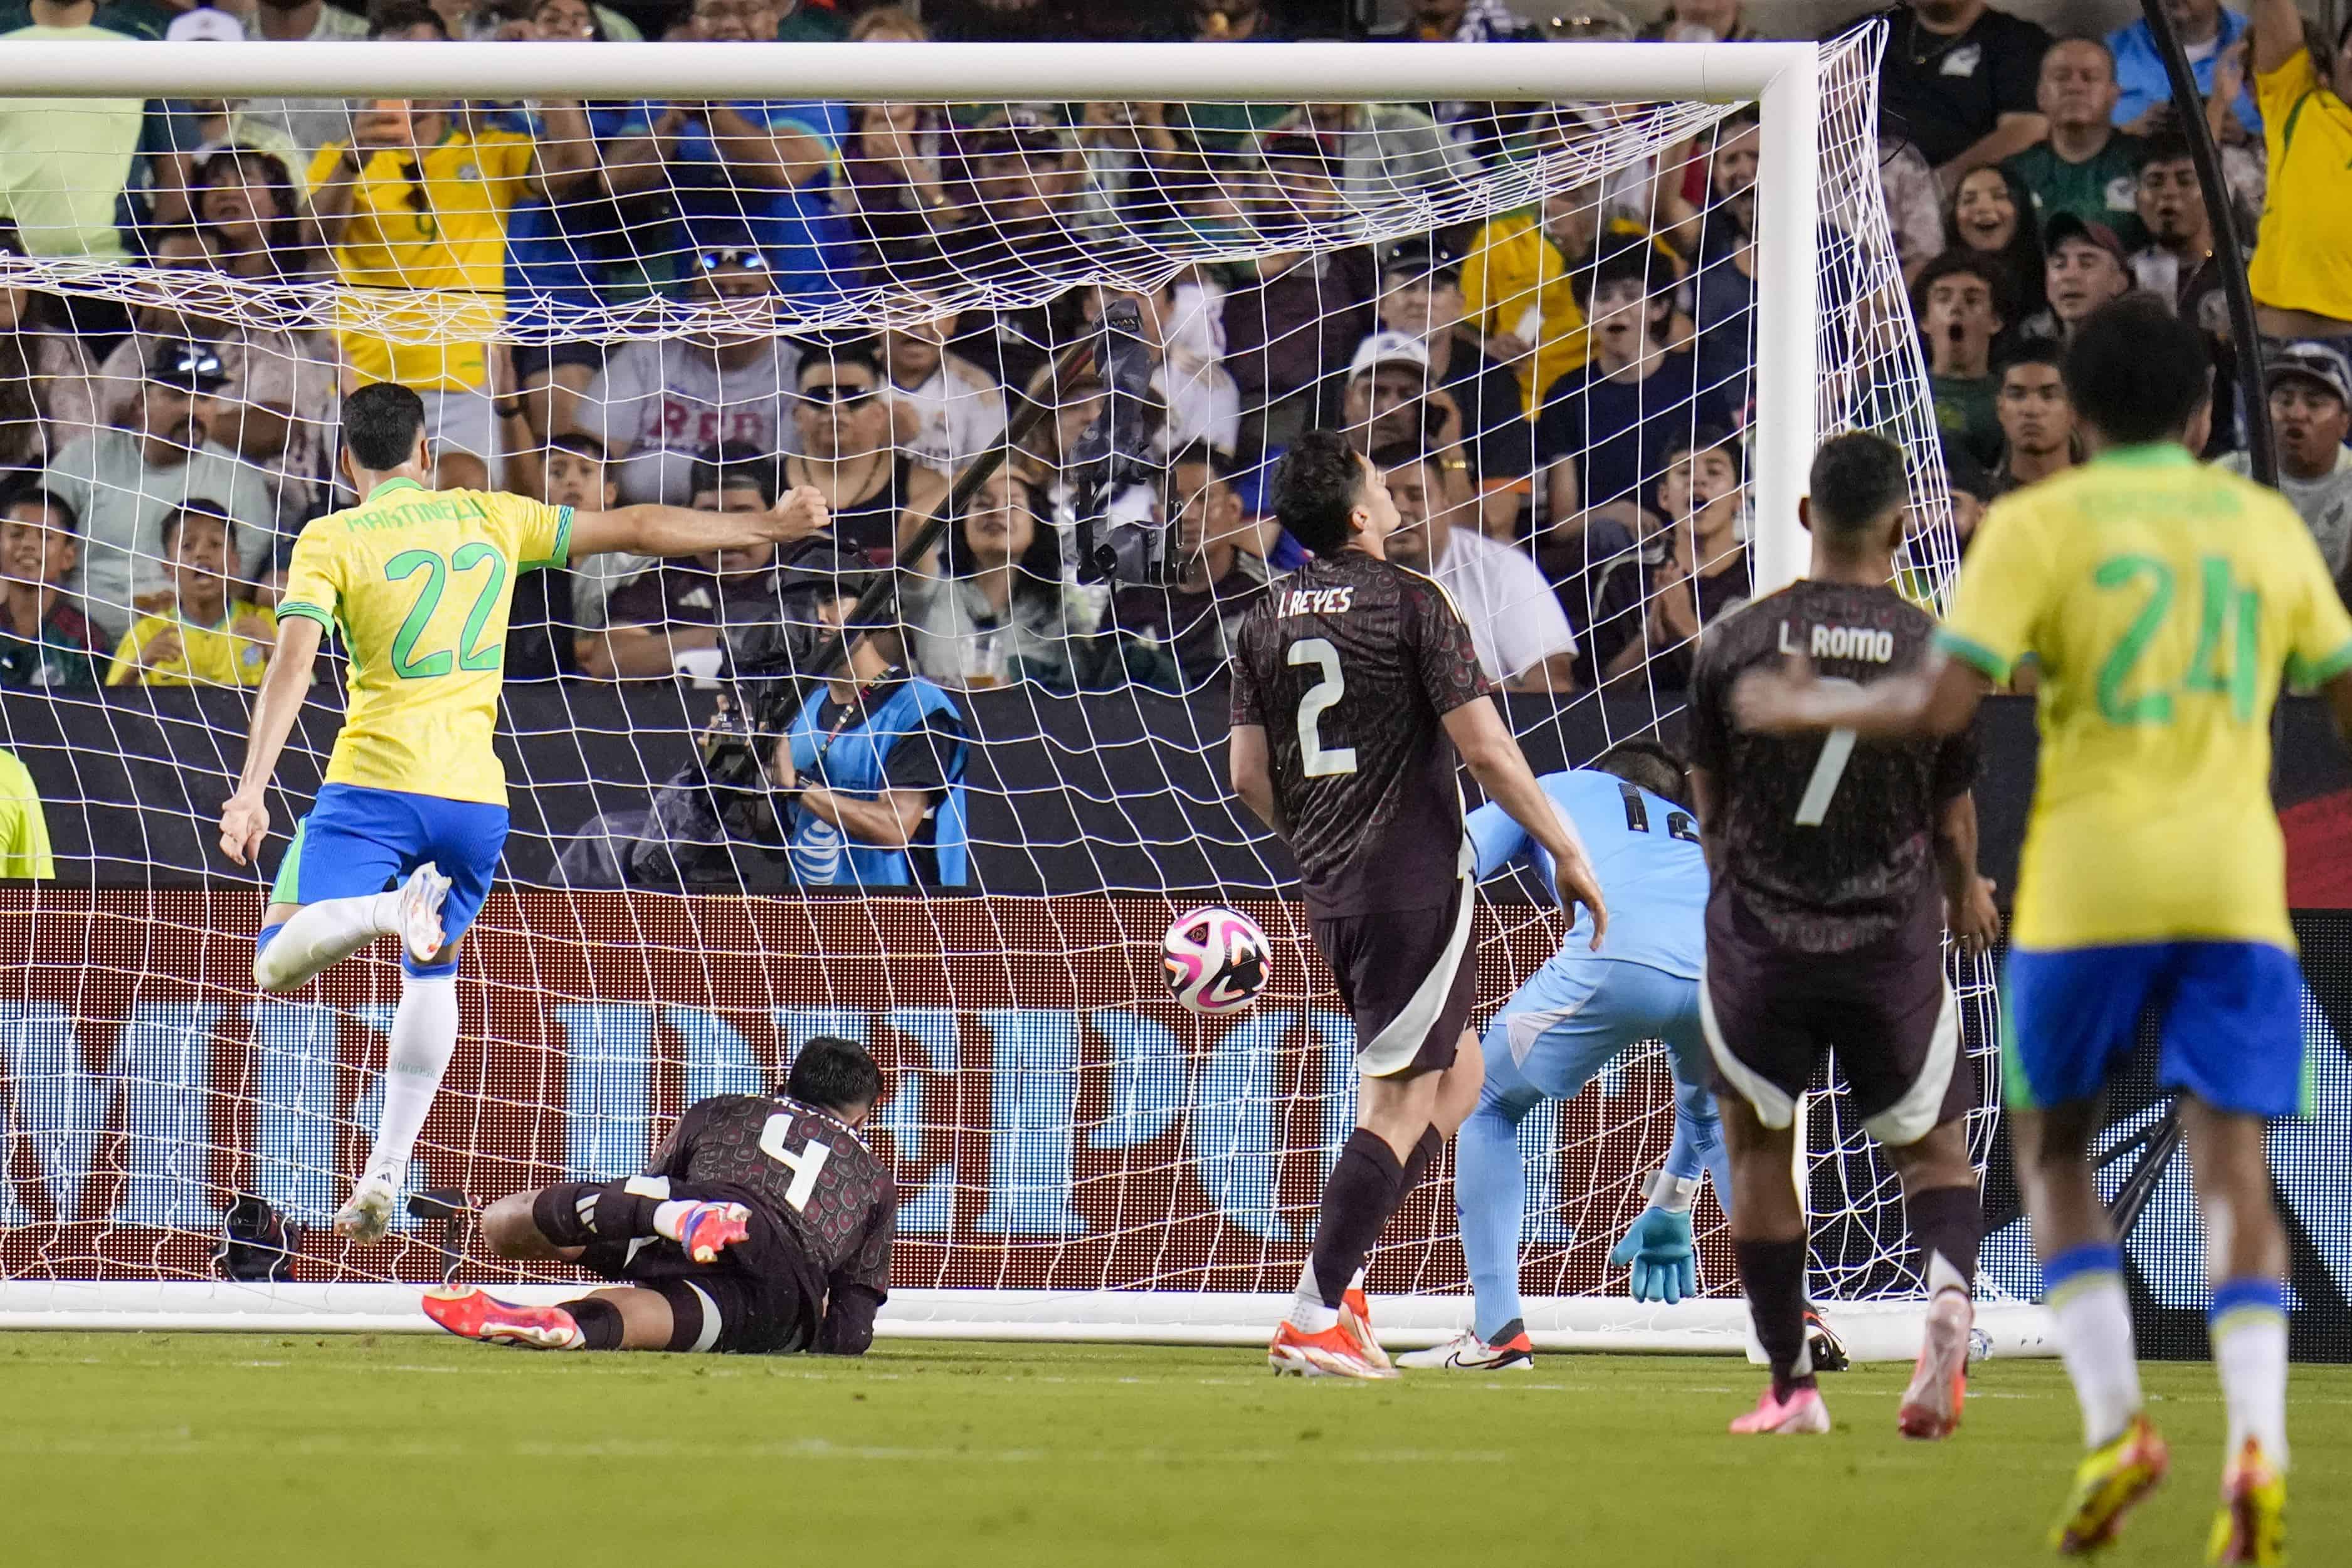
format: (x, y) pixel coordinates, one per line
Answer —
(421, 898)
(470, 1313)
(709, 1229)
(1939, 1383)
(1801, 1413)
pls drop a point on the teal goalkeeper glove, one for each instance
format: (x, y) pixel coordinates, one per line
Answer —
(1656, 1250)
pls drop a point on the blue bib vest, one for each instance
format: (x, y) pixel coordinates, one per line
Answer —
(822, 854)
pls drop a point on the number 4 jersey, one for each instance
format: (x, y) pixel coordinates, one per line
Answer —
(419, 583)
(807, 1168)
(1351, 665)
(2163, 601)
(1828, 842)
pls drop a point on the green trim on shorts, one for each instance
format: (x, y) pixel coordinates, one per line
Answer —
(1976, 656)
(2016, 1089)
(288, 888)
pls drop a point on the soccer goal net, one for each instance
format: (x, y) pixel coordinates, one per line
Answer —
(1588, 303)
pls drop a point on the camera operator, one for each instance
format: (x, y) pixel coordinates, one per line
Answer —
(866, 779)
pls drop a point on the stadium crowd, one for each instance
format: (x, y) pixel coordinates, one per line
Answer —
(1559, 393)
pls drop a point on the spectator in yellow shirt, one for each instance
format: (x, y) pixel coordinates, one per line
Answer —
(1515, 288)
(414, 210)
(210, 637)
(2302, 270)
(24, 829)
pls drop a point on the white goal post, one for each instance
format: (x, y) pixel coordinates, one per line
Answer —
(571, 1062)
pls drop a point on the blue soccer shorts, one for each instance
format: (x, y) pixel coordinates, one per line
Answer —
(359, 841)
(2229, 1019)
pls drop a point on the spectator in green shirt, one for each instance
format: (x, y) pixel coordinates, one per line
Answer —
(46, 641)
(1962, 304)
(2085, 166)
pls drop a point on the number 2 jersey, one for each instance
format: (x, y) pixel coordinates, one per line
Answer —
(1351, 666)
(419, 581)
(813, 1176)
(1827, 841)
(2162, 601)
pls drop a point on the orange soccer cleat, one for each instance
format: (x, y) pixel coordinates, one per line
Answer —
(470, 1313)
(1333, 1353)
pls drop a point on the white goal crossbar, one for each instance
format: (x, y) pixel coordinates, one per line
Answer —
(1783, 79)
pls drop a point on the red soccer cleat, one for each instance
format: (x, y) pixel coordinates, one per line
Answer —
(470, 1313)
(1800, 1414)
(1356, 1317)
(1333, 1353)
(1939, 1383)
(709, 1229)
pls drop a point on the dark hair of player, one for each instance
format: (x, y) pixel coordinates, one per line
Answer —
(2031, 351)
(381, 424)
(579, 444)
(2136, 372)
(733, 468)
(198, 507)
(1317, 483)
(1858, 479)
(1651, 765)
(834, 1075)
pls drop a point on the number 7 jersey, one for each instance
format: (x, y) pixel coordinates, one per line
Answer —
(1829, 843)
(2163, 601)
(419, 583)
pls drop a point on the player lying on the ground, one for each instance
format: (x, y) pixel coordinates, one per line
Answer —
(1354, 682)
(1573, 1015)
(1836, 867)
(2161, 600)
(415, 799)
(763, 1224)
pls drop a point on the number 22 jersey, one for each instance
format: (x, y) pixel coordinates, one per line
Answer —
(420, 581)
(2163, 601)
(1351, 666)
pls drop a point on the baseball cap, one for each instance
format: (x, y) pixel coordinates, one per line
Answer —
(181, 362)
(1388, 348)
(2312, 362)
(1420, 258)
(2068, 225)
(203, 26)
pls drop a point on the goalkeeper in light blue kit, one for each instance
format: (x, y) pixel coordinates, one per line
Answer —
(1562, 1027)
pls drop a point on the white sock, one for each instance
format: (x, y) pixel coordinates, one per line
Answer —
(2094, 1335)
(321, 933)
(2250, 1353)
(424, 1037)
(1307, 1312)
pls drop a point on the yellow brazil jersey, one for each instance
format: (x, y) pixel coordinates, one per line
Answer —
(24, 829)
(2303, 257)
(420, 581)
(2163, 601)
(425, 256)
(216, 655)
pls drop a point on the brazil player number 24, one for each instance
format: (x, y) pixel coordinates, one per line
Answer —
(2224, 600)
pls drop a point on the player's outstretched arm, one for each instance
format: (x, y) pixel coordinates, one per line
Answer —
(1494, 759)
(1252, 774)
(676, 531)
(1969, 911)
(245, 815)
(1940, 699)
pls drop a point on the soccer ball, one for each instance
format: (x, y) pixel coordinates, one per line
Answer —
(1216, 960)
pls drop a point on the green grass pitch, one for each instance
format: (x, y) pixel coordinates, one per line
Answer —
(168, 1450)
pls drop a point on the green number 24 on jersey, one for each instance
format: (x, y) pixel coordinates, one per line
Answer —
(471, 654)
(2229, 638)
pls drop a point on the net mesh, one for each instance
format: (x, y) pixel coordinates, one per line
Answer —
(1553, 305)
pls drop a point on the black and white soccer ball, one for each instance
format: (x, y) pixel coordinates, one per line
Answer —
(1216, 960)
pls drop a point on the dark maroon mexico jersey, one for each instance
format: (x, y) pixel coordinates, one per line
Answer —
(1349, 664)
(1828, 840)
(832, 1192)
